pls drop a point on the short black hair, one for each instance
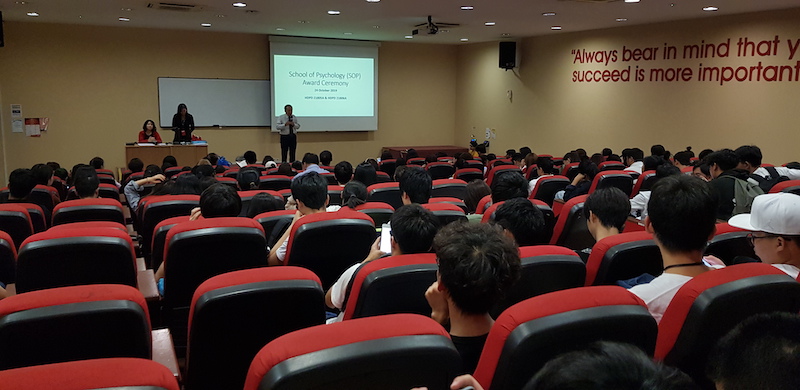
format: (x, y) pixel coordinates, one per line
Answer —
(610, 205)
(608, 365)
(250, 157)
(168, 161)
(263, 202)
(477, 264)
(213, 158)
(325, 157)
(684, 157)
(545, 164)
(524, 220)
(248, 178)
(416, 184)
(413, 229)
(220, 200)
(343, 172)
(665, 170)
(651, 162)
(136, 165)
(524, 151)
(311, 189)
(635, 153)
(366, 174)
(431, 158)
(21, 183)
(205, 170)
(186, 185)
(97, 163)
(85, 181)
(763, 352)
(42, 173)
(508, 185)
(152, 170)
(657, 150)
(704, 153)
(310, 158)
(517, 157)
(61, 173)
(354, 194)
(510, 152)
(683, 211)
(750, 154)
(725, 159)
(607, 152)
(411, 153)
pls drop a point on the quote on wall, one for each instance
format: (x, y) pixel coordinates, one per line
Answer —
(775, 59)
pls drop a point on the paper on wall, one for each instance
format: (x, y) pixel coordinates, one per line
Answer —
(32, 127)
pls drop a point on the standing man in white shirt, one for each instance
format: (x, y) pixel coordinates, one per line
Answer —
(288, 126)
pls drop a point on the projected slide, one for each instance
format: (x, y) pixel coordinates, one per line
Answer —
(318, 86)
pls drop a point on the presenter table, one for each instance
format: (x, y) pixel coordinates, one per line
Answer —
(424, 151)
(187, 155)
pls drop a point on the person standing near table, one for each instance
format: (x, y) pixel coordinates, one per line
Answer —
(149, 132)
(182, 125)
(288, 126)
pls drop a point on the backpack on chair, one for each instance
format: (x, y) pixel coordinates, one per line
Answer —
(766, 183)
(743, 194)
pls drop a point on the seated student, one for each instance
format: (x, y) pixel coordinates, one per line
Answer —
(310, 192)
(701, 171)
(605, 211)
(354, 194)
(775, 223)
(760, 353)
(476, 190)
(632, 158)
(682, 218)
(638, 204)
(248, 178)
(765, 177)
(522, 221)
(250, 157)
(415, 186)
(343, 172)
(136, 165)
(544, 168)
(325, 157)
(682, 159)
(20, 184)
(477, 262)
(310, 164)
(413, 229)
(263, 202)
(723, 165)
(133, 190)
(508, 185)
(518, 159)
(86, 183)
(580, 185)
(366, 174)
(43, 174)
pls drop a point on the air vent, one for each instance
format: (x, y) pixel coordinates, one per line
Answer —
(174, 7)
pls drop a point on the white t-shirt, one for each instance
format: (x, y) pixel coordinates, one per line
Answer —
(639, 204)
(792, 174)
(532, 183)
(659, 292)
(636, 167)
(339, 291)
(789, 269)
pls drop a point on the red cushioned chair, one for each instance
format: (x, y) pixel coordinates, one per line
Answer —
(108, 191)
(709, 305)
(440, 170)
(388, 166)
(490, 175)
(792, 186)
(110, 373)
(16, 221)
(454, 201)
(618, 179)
(285, 193)
(446, 159)
(383, 177)
(39, 219)
(453, 188)
(531, 172)
(570, 170)
(529, 334)
(475, 164)
(571, 230)
(328, 243)
(172, 171)
(44, 196)
(247, 196)
(74, 323)
(8, 258)
(545, 268)
(90, 224)
(270, 219)
(69, 257)
(158, 208)
(228, 181)
(446, 213)
(335, 194)
(234, 315)
(379, 212)
(397, 351)
(730, 242)
(385, 192)
(196, 251)
(89, 209)
(391, 285)
(483, 204)
(611, 166)
(275, 182)
(623, 256)
(416, 161)
(330, 178)
(61, 187)
(546, 188)
(159, 240)
(106, 172)
(644, 183)
(506, 161)
(547, 213)
(469, 174)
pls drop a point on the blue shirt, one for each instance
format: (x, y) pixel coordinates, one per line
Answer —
(311, 168)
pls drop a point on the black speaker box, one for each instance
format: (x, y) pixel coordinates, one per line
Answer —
(2, 41)
(508, 55)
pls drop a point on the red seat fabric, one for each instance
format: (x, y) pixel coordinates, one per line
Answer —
(270, 219)
(159, 239)
(127, 373)
(393, 351)
(247, 196)
(8, 258)
(618, 179)
(547, 214)
(792, 186)
(730, 242)
(454, 201)
(570, 229)
(445, 212)
(382, 177)
(154, 209)
(89, 209)
(274, 182)
(416, 161)
(224, 321)
(90, 224)
(490, 175)
(388, 166)
(570, 170)
(16, 221)
(623, 256)
(379, 212)
(530, 333)
(469, 174)
(644, 182)
(440, 170)
(39, 219)
(611, 166)
(455, 188)
(483, 204)
(546, 188)
(385, 192)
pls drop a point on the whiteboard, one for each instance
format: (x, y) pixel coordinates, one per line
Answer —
(215, 102)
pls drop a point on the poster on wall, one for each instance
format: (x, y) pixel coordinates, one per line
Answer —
(32, 127)
(17, 126)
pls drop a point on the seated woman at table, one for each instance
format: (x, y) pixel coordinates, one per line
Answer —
(149, 132)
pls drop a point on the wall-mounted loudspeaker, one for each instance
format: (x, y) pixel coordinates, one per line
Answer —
(2, 41)
(508, 55)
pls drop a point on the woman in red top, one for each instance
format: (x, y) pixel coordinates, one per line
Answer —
(149, 132)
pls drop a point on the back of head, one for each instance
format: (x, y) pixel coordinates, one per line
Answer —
(248, 178)
(657, 150)
(517, 157)
(725, 159)
(611, 206)
(135, 165)
(607, 152)
(651, 162)
(665, 170)
(524, 220)
(684, 158)
(704, 153)
(635, 153)
(343, 172)
(413, 229)
(262, 203)
(763, 352)
(386, 155)
(186, 185)
(608, 365)
(250, 157)
(325, 157)
(683, 212)
(366, 174)
(205, 170)
(285, 169)
(545, 164)
(508, 185)
(614, 157)
(750, 154)
(476, 190)
(525, 151)
(311, 189)
(588, 169)
(86, 182)
(354, 194)
(477, 263)
(21, 183)
(152, 170)
(411, 153)
(97, 163)
(416, 184)
(596, 158)
(61, 173)
(431, 158)
(220, 200)
(510, 152)
(42, 173)
(212, 158)
(168, 161)
(310, 158)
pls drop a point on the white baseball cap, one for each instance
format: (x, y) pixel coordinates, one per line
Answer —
(772, 213)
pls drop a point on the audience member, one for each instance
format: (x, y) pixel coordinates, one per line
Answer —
(730, 184)
(248, 178)
(168, 162)
(606, 211)
(606, 153)
(97, 163)
(86, 182)
(135, 165)
(354, 194)
(657, 150)
(20, 184)
(415, 186)
(250, 157)
(638, 204)
(366, 174)
(522, 221)
(133, 190)
(186, 185)
(632, 157)
(325, 158)
(702, 171)
(544, 168)
(310, 164)
(477, 262)
(704, 153)
(581, 183)
(286, 169)
(43, 174)
(765, 177)
(508, 185)
(683, 159)
(476, 190)
(203, 170)
(310, 193)
(343, 172)
(213, 158)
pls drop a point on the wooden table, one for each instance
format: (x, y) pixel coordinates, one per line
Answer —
(187, 155)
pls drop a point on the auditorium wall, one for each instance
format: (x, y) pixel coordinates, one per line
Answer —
(98, 85)
(551, 113)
